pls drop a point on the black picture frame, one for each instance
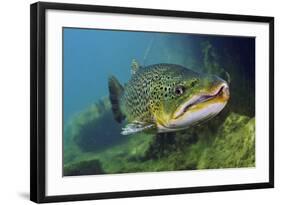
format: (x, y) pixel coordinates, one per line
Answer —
(38, 101)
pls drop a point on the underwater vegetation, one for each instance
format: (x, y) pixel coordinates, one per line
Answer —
(209, 146)
(226, 141)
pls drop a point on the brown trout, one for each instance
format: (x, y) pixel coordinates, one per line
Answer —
(166, 98)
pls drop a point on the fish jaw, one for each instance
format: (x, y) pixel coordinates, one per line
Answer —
(190, 118)
(199, 108)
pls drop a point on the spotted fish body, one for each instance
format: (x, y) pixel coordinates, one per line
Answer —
(166, 98)
(146, 89)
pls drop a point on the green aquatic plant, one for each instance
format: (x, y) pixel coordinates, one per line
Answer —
(211, 60)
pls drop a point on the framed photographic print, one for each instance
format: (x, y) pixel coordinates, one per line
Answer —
(129, 102)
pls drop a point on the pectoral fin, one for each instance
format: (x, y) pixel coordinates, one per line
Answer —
(135, 127)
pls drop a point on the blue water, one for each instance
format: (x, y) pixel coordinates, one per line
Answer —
(91, 55)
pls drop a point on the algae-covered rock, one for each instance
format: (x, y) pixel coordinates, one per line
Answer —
(88, 167)
(234, 145)
(88, 132)
(163, 144)
(226, 141)
(230, 145)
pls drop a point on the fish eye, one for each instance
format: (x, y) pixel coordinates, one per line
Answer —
(179, 90)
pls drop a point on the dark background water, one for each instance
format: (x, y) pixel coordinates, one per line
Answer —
(91, 55)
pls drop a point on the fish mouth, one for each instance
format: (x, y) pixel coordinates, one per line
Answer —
(221, 92)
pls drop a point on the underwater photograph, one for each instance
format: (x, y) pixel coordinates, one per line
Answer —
(138, 101)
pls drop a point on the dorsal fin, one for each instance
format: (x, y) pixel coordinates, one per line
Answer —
(135, 66)
(115, 92)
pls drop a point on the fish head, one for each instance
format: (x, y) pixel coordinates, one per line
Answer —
(191, 99)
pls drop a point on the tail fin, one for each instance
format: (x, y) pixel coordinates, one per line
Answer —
(115, 91)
